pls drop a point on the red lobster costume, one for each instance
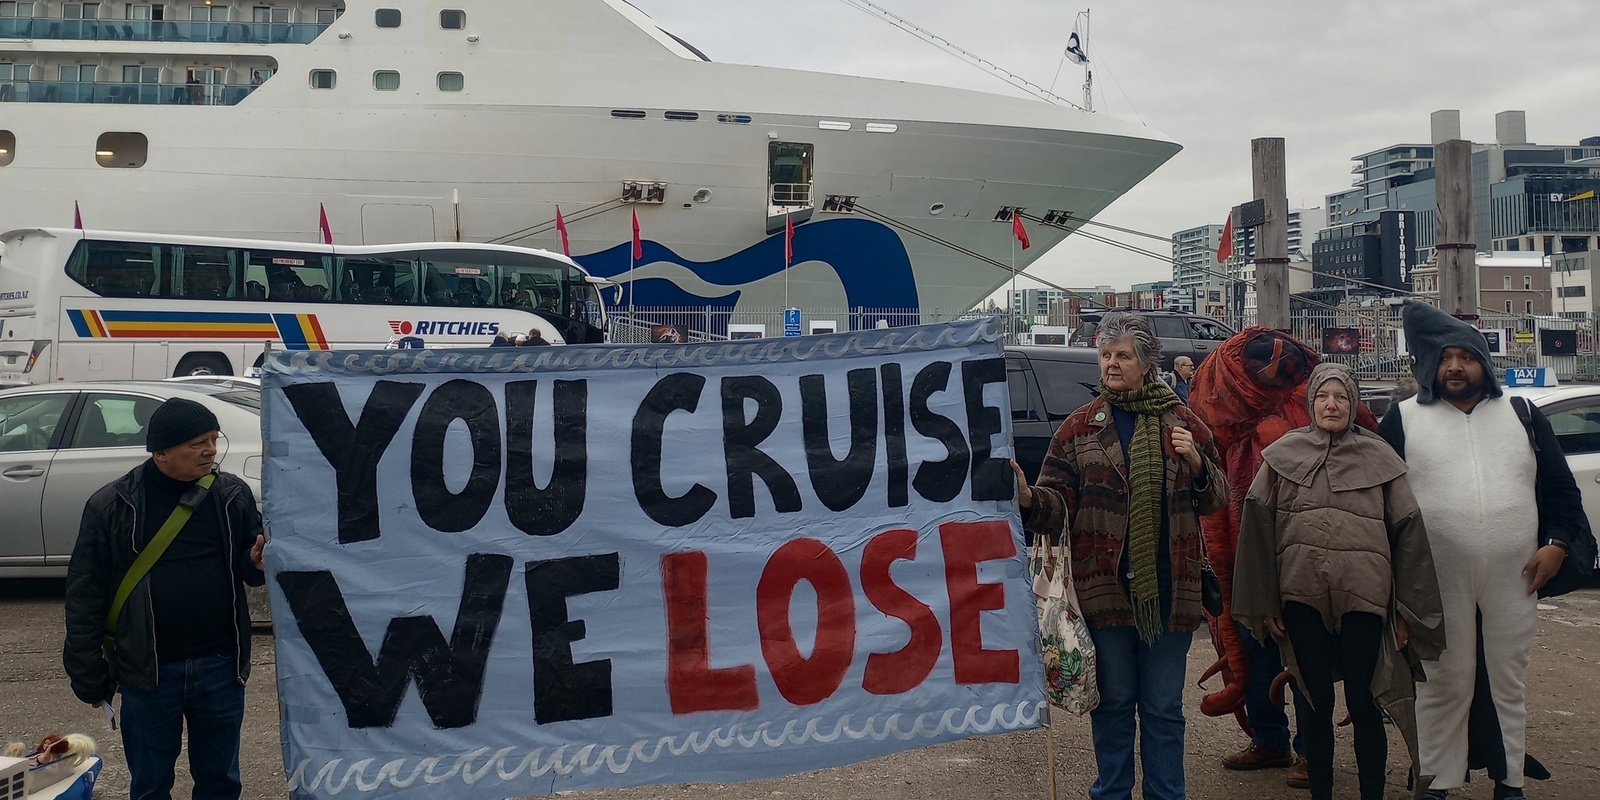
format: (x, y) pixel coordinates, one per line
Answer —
(1249, 392)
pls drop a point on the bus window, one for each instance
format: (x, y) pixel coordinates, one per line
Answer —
(378, 280)
(533, 287)
(286, 277)
(203, 273)
(117, 269)
(456, 283)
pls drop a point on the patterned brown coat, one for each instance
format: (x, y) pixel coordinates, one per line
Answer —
(1083, 491)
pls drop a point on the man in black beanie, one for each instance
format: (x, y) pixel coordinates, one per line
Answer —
(1477, 475)
(172, 634)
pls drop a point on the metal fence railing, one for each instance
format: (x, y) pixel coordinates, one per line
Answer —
(1369, 340)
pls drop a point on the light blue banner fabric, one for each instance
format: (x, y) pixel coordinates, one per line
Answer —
(509, 572)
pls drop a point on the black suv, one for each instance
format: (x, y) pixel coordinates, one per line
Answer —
(1181, 334)
(1047, 384)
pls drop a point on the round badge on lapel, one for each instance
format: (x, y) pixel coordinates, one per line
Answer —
(1100, 416)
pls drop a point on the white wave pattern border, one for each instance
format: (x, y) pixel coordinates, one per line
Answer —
(618, 759)
(571, 358)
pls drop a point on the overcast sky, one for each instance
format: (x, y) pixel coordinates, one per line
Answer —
(1333, 78)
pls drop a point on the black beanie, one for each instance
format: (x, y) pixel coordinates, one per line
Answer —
(1428, 332)
(177, 421)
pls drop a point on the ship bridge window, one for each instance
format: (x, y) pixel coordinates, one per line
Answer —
(451, 82)
(323, 78)
(386, 80)
(121, 150)
(452, 19)
(8, 147)
(387, 17)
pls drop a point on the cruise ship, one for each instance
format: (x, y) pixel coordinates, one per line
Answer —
(475, 120)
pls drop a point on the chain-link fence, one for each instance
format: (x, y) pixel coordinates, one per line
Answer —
(1369, 340)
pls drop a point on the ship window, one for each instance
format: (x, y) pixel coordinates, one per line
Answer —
(323, 78)
(137, 74)
(734, 119)
(387, 17)
(8, 147)
(80, 10)
(121, 150)
(627, 113)
(386, 80)
(451, 81)
(326, 16)
(78, 73)
(270, 14)
(12, 9)
(208, 13)
(682, 116)
(452, 19)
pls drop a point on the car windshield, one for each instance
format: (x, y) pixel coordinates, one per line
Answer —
(243, 398)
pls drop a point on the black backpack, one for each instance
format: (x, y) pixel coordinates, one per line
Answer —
(1579, 564)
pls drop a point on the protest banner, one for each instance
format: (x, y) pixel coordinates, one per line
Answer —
(498, 573)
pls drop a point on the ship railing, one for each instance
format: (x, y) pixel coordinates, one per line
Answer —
(146, 30)
(789, 195)
(163, 94)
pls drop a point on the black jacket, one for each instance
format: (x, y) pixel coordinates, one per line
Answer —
(107, 545)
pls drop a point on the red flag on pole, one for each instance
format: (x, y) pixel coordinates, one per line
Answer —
(561, 227)
(788, 239)
(322, 222)
(77, 216)
(638, 243)
(1018, 231)
(1225, 247)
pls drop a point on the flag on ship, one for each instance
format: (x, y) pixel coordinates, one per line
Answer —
(1018, 231)
(788, 239)
(638, 243)
(561, 227)
(1077, 52)
(322, 222)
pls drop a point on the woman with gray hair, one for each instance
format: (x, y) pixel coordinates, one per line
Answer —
(1125, 480)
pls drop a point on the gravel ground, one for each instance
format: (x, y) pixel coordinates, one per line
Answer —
(1564, 718)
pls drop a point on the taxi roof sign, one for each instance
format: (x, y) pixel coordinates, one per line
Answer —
(1530, 376)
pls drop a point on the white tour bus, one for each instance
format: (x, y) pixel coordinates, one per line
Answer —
(103, 305)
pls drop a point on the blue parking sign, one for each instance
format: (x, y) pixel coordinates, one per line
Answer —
(791, 322)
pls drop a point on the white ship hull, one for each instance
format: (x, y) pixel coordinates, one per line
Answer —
(534, 129)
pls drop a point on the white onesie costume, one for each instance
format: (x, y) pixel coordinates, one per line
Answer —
(1474, 478)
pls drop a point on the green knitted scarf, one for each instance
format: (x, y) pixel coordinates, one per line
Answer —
(1146, 474)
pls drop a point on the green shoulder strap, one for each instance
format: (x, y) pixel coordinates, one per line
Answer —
(147, 558)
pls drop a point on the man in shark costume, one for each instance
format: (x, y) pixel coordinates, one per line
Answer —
(1478, 479)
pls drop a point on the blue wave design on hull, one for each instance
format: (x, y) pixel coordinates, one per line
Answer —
(869, 258)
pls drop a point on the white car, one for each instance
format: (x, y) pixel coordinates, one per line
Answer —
(61, 442)
(1574, 413)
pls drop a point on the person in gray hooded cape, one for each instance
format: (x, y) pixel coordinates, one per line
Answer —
(1334, 563)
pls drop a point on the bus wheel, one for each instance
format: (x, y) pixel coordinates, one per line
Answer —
(202, 364)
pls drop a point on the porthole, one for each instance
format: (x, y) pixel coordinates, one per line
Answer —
(936, 209)
(387, 17)
(451, 82)
(121, 150)
(386, 80)
(627, 113)
(323, 78)
(452, 19)
(8, 147)
(682, 116)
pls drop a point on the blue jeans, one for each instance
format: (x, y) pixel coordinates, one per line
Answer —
(1270, 724)
(206, 694)
(1147, 679)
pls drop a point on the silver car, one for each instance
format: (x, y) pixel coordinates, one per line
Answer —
(61, 442)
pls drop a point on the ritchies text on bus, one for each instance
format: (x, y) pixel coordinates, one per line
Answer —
(433, 327)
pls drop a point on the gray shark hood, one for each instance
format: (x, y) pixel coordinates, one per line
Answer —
(1428, 332)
